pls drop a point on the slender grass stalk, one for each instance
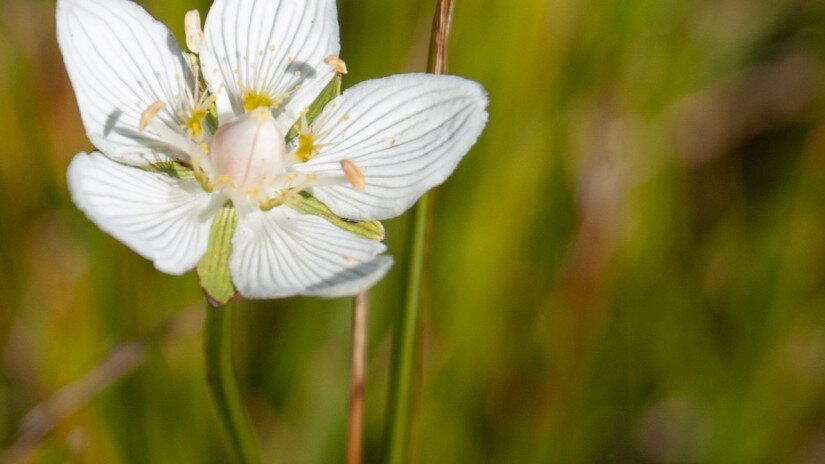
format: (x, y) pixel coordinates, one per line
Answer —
(399, 415)
(355, 426)
(221, 378)
(404, 342)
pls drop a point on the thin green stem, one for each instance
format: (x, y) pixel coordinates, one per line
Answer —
(400, 413)
(404, 353)
(220, 375)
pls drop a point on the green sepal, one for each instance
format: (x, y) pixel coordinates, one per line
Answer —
(307, 204)
(172, 168)
(213, 268)
(332, 90)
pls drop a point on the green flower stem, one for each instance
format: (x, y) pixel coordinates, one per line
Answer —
(399, 415)
(221, 378)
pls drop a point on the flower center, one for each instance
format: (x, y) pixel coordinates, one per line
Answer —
(247, 156)
(253, 100)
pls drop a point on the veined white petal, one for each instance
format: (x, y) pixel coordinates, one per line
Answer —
(405, 133)
(164, 219)
(282, 253)
(120, 62)
(272, 47)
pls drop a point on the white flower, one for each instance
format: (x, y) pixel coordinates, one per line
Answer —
(368, 156)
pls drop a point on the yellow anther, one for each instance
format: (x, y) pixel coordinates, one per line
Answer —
(194, 33)
(223, 178)
(354, 175)
(193, 125)
(252, 100)
(254, 191)
(204, 148)
(282, 97)
(306, 147)
(150, 114)
(337, 64)
(279, 200)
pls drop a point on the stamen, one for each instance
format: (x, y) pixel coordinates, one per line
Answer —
(306, 141)
(337, 64)
(354, 175)
(194, 33)
(200, 175)
(150, 114)
(277, 200)
(306, 147)
(193, 126)
(253, 100)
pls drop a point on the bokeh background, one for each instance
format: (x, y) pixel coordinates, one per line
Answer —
(629, 266)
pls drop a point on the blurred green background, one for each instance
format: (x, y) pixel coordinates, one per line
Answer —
(629, 266)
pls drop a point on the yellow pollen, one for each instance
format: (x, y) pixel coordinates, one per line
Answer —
(193, 124)
(252, 100)
(204, 148)
(253, 191)
(306, 147)
(223, 178)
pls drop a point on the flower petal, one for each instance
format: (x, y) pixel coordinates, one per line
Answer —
(282, 253)
(162, 218)
(405, 133)
(120, 62)
(272, 47)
